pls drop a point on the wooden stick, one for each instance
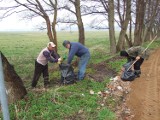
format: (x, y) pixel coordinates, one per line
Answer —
(143, 51)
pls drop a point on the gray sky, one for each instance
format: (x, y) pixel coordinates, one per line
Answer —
(13, 23)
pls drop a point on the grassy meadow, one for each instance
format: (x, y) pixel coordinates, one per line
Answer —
(22, 48)
(58, 102)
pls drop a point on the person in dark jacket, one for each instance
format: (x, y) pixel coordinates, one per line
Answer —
(41, 64)
(135, 53)
(76, 48)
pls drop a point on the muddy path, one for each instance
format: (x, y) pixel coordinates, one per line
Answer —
(144, 97)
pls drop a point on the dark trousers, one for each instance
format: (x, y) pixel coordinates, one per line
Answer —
(37, 73)
(137, 65)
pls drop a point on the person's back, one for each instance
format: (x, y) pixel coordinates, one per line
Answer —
(137, 53)
(76, 48)
(80, 49)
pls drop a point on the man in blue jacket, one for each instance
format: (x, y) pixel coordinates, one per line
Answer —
(76, 48)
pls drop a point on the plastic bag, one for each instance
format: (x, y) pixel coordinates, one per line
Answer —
(128, 75)
(67, 74)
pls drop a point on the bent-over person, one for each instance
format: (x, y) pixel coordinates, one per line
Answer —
(41, 64)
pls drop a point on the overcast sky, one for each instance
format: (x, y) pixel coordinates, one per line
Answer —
(13, 23)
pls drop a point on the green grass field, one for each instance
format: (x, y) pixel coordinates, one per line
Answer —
(22, 48)
(59, 102)
(65, 102)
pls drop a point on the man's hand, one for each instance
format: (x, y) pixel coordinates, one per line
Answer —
(60, 60)
(138, 57)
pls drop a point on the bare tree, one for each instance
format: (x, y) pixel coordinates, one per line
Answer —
(79, 20)
(157, 23)
(139, 24)
(35, 8)
(108, 9)
(103, 10)
(124, 17)
(111, 26)
(98, 10)
(74, 17)
(54, 5)
(151, 19)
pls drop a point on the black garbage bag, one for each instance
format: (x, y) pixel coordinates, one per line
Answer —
(67, 74)
(128, 74)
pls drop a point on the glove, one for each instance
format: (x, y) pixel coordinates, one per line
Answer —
(60, 60)
(64, 57)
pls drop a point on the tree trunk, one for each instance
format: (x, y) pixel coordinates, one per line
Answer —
(80, 23)
(151, 16)
(49, 31)
(129, 42)
(14, 84)
(124, 25)
(111, 27)
(140, 12)
(54, 25)
(81, 33)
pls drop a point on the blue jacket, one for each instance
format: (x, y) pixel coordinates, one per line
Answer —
(77, 49)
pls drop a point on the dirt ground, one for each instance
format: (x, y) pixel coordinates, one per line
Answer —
(144, 97)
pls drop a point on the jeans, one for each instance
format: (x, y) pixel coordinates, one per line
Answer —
(82, 65)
